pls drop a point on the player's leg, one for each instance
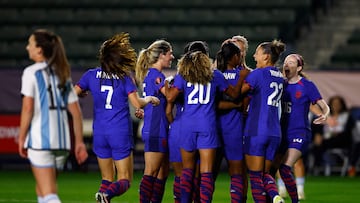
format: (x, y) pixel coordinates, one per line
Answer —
(160, 181)
(236, 180)
(187, 174)
(291, 156)
(299, 170)
(177, 167)
(207, 160)
(43, 166)
(153, 162)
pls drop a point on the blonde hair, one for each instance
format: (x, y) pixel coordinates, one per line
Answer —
(242, 39)
(195, 67)
(149, 56)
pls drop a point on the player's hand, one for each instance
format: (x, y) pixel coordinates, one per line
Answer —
(244, 72)
(153, 100)
(83, 93)
(321, 119)
(139, 113)
(170, 79)
(81, 153)
(22, 150)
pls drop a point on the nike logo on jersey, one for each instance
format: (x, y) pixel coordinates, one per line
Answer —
(298, 140)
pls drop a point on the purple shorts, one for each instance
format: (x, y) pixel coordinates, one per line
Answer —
(299, 140)
(174, 142)
(261, 146)
(116, 146)
(192, 140)
(233, 146)
(155, 143)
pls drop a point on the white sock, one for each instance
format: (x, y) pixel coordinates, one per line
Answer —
(280, 182)
(51, 198)
(40, 199)
(300, 181)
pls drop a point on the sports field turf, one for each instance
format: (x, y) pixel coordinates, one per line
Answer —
(79, 187)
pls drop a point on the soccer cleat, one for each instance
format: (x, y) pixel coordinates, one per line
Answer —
(101, 198)
(278, 199)
(301, 195)
(282, 191)
(98, 197)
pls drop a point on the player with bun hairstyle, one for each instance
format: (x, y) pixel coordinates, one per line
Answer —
(262, 134)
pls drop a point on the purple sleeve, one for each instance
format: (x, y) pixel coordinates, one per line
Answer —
(130, 85)
(220, 80)
(83, 83)
(252, 78)
(313, 93)
(179, 82)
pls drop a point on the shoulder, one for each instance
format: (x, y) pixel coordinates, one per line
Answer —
(307, 82)
(34, 67)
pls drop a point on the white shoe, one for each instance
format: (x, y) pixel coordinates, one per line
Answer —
(301, 195)
(98, 197)
(101, 198)
(282, 191)
(278, 199)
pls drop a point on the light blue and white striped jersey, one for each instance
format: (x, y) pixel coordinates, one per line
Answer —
(49, 128)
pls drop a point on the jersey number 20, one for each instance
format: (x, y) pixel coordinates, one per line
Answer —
(199, 90)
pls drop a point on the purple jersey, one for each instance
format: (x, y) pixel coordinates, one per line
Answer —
(230, 122)
(199, 117)
(264, 108)
(295, 123)
(155, 129)
(262, 128)
(111, 106)
(111, 110)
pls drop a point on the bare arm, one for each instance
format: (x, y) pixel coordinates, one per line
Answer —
(169, 112)
(138, 102)
(171, 94)
(320, 109)
(235, 91)
(80, 148)
(27, 111)
(229, 105)
(80, 92)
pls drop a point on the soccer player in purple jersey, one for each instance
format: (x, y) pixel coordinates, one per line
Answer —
(150, 63)
(230, 120)
(262, 134)
(299, 94)
(199, 84)
(47, 93)
(174, 130)
(112, 86)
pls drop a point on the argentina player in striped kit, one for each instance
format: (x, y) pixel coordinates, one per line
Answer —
(47, 94)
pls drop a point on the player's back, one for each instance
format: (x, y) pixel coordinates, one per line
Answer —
(265, 96)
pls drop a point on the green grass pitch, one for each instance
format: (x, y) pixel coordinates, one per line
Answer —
(80, 187)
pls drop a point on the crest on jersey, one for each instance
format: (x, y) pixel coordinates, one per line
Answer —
(158, 80)
(298, 94)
